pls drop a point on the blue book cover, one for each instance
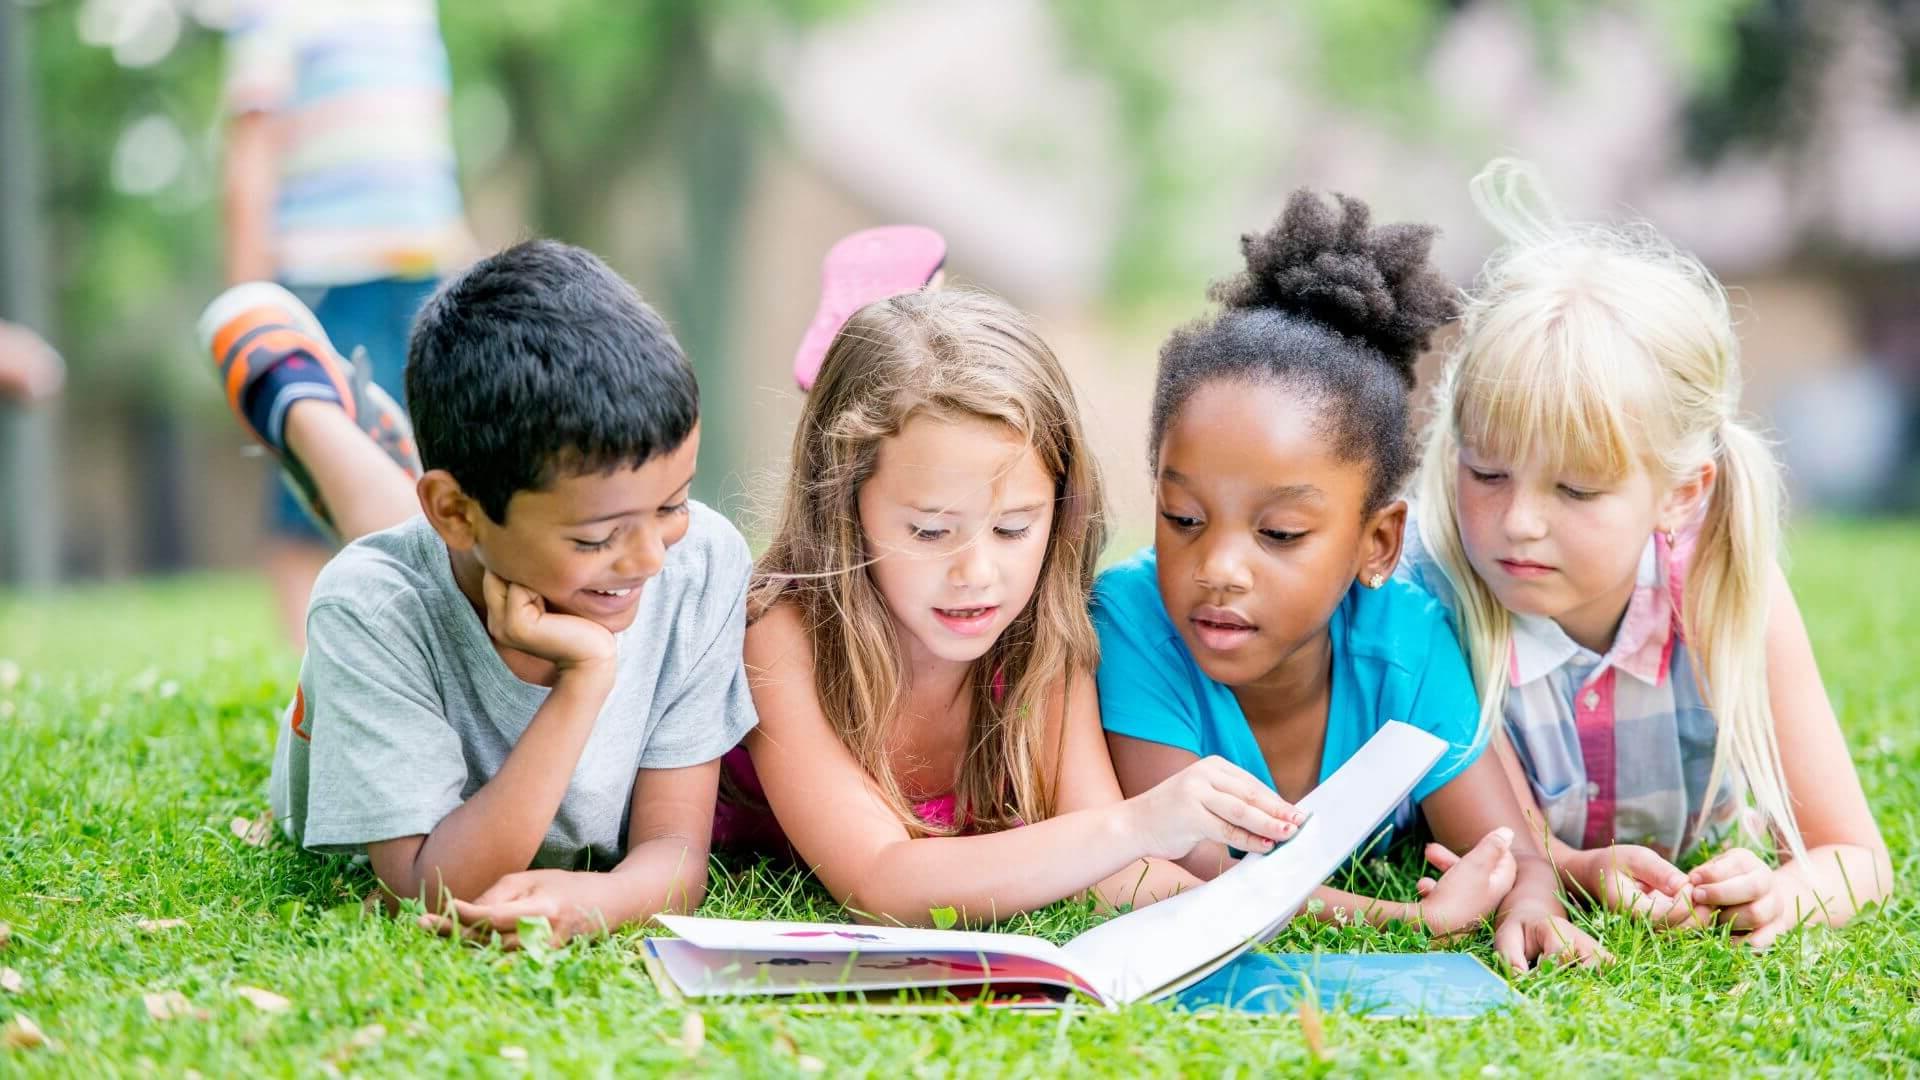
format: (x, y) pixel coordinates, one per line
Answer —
(1379, 985)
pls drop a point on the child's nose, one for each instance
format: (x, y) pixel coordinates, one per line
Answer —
(971, 567)
(1525, 518)
(1222, 566)
(643, 556)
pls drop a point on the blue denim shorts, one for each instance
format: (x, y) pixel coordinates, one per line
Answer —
(376, 316)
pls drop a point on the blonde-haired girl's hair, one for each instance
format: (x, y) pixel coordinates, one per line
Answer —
(959, 354)
(1603, 349)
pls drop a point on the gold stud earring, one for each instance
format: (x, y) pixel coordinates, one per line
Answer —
(1377, 580)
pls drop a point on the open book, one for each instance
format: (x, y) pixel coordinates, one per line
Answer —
(1144, 954)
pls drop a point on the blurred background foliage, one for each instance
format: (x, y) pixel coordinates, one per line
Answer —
(564, 108)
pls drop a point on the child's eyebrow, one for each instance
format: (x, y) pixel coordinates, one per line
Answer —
(680, 491)
(1294, 493)
(603, 517)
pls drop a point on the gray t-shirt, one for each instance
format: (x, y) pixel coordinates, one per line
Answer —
(404, 709)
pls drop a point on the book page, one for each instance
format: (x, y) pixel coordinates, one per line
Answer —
(743, 935)
(1166, 945)
(699, 972)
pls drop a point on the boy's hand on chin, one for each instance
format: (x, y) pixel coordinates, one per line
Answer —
(565, 899)
(1470, 886)
(517, 617)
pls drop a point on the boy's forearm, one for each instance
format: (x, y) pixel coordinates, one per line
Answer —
(668, 873)
(498, 831)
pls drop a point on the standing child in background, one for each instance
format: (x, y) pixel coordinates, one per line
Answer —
(340, 183)
(1263, 625)
(1605, 529)
(920, 652)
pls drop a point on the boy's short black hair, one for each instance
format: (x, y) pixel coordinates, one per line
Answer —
(541, 359)
(1335, 310)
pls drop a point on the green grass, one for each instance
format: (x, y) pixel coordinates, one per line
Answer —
(136, 722)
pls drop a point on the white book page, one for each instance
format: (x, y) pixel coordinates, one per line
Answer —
(743, 935)
(1165, 945)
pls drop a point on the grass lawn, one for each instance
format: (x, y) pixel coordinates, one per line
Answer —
(137, 720)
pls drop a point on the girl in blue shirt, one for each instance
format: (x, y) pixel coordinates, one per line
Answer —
(1265, 626)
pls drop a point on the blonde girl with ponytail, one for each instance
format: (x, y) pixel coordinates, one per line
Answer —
(1605, 527)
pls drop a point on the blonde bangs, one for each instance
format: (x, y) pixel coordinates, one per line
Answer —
(1557, 372)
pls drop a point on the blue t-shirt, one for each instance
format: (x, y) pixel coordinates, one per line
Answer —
(1395, 657)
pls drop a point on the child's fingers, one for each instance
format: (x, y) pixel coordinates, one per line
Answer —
(1762, 939)
(1734, 891)
(1442, 858)
(1647, 866)
(1243, 785)
(502, 917)
(1425, 885)
(1510, 944)
(1246, 816)
(1562, 943)
(1685, 909)
(1727, 864)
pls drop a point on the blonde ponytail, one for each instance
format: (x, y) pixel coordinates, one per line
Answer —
(1604, 350)
(1724, 614)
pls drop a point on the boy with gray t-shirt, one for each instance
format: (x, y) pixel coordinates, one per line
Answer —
(535, 677)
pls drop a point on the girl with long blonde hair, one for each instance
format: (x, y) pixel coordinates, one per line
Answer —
(919, 646)
(1606, 527)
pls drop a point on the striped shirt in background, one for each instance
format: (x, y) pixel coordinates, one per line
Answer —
(1617, 748)
(368, 187)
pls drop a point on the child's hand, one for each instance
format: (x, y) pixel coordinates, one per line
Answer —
(1470, 886)
(1634, 879)
(1211, 799)
(517, 617)
(1530, 931)
(1746, 894)
(562, 897)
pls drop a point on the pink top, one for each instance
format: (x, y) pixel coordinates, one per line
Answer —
(753, 828)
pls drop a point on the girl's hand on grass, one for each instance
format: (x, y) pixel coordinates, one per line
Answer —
(1470, 886)
(517, 617)
(1636, 880)
(1746, 893)
(1531, 931)
(1211, 799)
(562, 897)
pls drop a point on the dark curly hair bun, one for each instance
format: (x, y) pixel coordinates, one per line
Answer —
(1327, 262)
(1334, 310)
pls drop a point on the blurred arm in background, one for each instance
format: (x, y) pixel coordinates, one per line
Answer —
(250, 177)
(30, 370)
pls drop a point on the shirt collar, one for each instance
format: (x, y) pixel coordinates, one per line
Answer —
(1641, 647)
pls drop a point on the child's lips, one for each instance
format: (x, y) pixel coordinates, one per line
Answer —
(967, 621)
(1221, 629)
(1525, 568)
(609, 601)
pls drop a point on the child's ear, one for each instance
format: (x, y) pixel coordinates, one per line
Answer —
(449, 510)
(1380, 541)
(1682, 502)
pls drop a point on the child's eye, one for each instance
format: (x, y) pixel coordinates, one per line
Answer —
(1281, 536)
(594, 545)
(1484, 477)
(1579, 494)
(926, 534)
(1181, 522)
(677, 508)
(1014, 534)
